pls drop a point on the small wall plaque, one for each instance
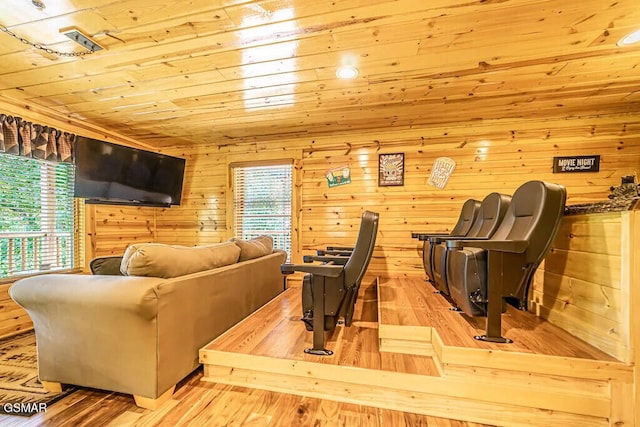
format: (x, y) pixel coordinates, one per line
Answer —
(338, 176)
(576, 164)
(441, 172)
(390, 169)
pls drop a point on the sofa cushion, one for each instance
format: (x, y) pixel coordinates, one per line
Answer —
(254, 248)
(167, 261)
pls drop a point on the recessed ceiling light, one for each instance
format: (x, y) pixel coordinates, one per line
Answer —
(631, 38)
(347, 72)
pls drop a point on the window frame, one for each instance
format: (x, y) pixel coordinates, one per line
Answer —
(48, 232)
(231, 214)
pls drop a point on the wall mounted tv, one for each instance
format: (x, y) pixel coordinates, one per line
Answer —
(115, 174)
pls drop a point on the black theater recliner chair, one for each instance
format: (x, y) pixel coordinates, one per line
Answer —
(483, 274)
(468, 215)
(492, 210)
(330, 289)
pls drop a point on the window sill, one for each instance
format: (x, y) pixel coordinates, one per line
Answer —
(13, 279)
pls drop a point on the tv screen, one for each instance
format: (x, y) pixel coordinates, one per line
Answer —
(116, 174)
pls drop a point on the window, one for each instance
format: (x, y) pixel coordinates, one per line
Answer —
(262, 203)
(36, 216)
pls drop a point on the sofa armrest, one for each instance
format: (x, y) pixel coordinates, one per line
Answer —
(90, 294)
(95, 331)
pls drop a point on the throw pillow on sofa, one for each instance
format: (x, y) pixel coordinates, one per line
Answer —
(167, 261)
(106, 266)
(254, 248)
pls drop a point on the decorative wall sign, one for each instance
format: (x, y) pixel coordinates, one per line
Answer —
(441, 172)
(390, 169)
(338, 176)
(576, 164)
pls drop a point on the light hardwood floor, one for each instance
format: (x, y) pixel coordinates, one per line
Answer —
(198, 403)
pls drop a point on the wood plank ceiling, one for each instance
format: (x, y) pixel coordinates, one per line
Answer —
(212, 71)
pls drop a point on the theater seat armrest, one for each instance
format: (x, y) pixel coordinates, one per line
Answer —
(338, 260)
(325, 252)
(512, 246)
(426, 236)
(341, 248)
(440, 239)
(327, 270)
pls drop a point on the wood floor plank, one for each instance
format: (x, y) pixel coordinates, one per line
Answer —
(198, 403)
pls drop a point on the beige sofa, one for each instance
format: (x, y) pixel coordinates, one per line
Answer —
(140, 335)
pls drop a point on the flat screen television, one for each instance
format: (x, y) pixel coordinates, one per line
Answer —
(115, 174)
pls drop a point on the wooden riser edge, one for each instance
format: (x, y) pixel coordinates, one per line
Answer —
(426, 341)
(418, 348)
(444, 356)
(373, 388)
(469, 398)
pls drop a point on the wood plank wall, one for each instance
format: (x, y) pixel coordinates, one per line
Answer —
(201, 218)
(13, 319)
(585, 284)
(489, 158)
(496, 156)
(111, 228)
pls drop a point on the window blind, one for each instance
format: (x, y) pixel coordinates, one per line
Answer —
(262, 203)
(38, 217)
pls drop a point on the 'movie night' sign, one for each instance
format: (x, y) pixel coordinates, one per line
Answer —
(576, 164)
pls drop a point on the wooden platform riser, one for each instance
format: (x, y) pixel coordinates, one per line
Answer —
(469, 399)
(469, 380)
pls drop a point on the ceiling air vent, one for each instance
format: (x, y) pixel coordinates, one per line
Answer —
(84, 41)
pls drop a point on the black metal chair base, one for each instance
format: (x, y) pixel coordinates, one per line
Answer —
(318, 352)
(500, 340)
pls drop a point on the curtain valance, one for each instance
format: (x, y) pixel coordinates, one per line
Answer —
(27, 139)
